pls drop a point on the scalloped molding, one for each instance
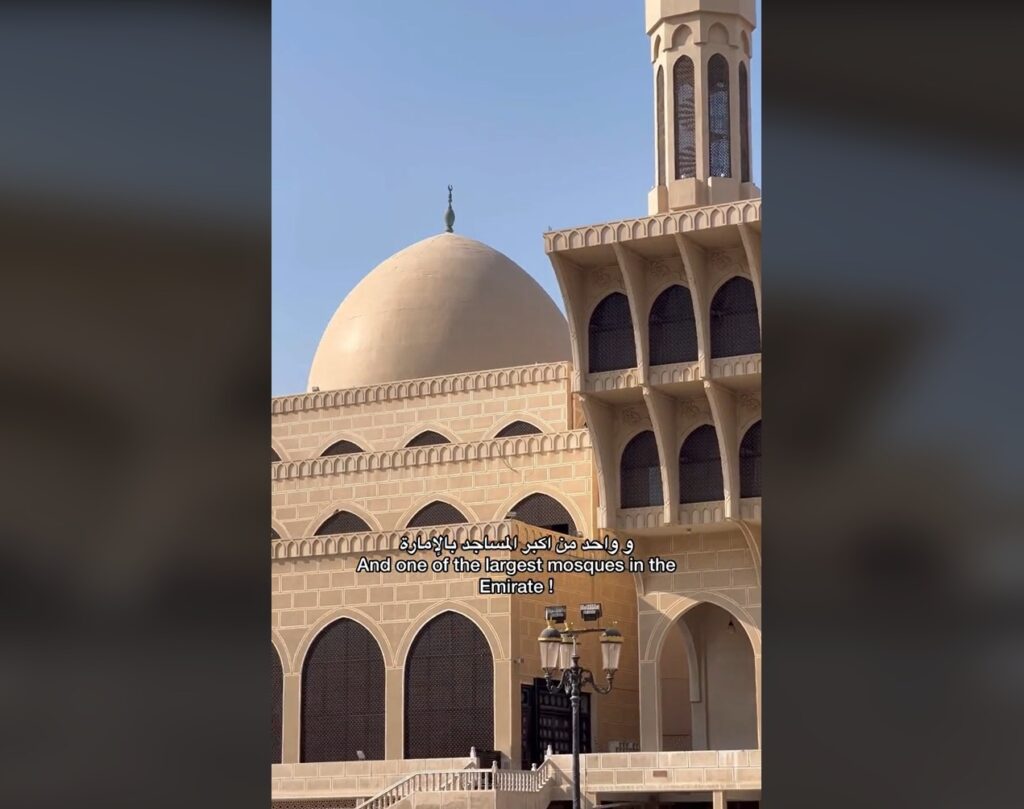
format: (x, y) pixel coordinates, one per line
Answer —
(532, 444)
(711, 216)
(418, 388)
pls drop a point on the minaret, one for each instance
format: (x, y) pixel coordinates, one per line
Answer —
(700, 52)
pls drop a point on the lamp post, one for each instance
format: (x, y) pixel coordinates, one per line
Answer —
(559, 650)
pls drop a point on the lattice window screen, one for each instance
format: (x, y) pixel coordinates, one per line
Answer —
(274, 534)
(437, 513)
(544, 512)
(660, 117)
(718, 117)
(427, 438)
(686, 144)
(449, 690)
(342, 448)
(700, 467)
(343, 695)
(275, 707)
(274, 457)
(344, 522)
(744, 125)
(517, 428)
(750, 462)
(734, 326)
(640, 473)
(673, 328)
(611, 335)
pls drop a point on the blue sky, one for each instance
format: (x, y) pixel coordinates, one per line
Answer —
(539, 114)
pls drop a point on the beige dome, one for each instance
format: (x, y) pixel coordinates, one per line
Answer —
(444, 305)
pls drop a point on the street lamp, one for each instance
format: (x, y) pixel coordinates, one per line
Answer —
(558, 650)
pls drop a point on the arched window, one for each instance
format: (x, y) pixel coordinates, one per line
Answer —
(274, 534)
(275, 707)
(700, 467)
(750, 462)
(342, 522)
(342, 448)
(673, 329)
(343, 695)
(686, 143)
(718, 117)
(426, 438)
(449, 690)
(437, 513)
(544, 512)
(517, 428)
(274, 457)
(744, 125)
(734, 327)
(640, 473)
(660, 118)
(611, 335)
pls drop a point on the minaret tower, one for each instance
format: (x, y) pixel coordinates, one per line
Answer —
(700, 52)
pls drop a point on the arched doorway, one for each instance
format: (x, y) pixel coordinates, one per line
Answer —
(706, 676)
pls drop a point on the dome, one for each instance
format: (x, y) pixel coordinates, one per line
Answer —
(444, 305)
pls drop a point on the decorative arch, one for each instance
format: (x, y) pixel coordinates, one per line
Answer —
(672, 327)
(343, 702)
(544, 511)
(610, 335)
(718, 34)
(276, 703)
(449, 689)
(352, 614)
(681, 36)
(515, 421)
(427, 438)
(640, 472)
(342, 446)
(328, 511)
(750, 461)
(719, 145)
(734, 328)
(274, 457)
(700, 466)
(427, 427)
(684, 100)
(684, 603)
(414, 518)
(342, 522)
(567, 503)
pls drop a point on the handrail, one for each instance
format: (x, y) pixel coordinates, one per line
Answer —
(467, 780)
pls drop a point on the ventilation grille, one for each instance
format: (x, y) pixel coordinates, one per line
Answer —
(744, 125)
(437, 513)
(427, 438)
(686, 145)
(275, 707)
(750, 462)
(342, 448)
(517, 428)
(545, 512)
(344, 522)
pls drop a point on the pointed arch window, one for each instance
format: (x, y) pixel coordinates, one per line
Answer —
(427, 438)
(660, 118)
(517, 428)
(545, 512)
(640, 473)
(719, 148)
(611, 335)
(750, 462)
(683, 94)
(342, 448)
(437, 513)
(342, 522)
(744, 125)
(734, 325)
(274, 457)
(700, 467)
(343, 695)
(276, 699)
(449, 690)
(673, 327)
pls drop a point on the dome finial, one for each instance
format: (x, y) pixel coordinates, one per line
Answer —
(449, 215)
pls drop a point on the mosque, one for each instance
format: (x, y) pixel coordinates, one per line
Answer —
(403, 673)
